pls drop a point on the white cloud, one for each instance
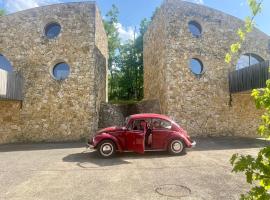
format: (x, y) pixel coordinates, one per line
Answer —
(16, 5)
(196, 1)
(125, 33)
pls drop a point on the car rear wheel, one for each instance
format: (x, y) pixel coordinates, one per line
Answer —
(106, 149)
(176, 147)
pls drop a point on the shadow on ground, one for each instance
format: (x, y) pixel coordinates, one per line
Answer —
(224, 143)
(40, 146)
(85, 158)
(203, 144)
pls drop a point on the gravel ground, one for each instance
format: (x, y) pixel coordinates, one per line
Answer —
(69, 171)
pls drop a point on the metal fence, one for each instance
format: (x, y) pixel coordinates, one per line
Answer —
(249, 78)
(11, 85)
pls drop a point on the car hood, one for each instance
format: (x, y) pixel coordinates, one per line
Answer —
(111, 129)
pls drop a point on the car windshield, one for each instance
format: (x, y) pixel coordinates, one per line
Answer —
(126, 121)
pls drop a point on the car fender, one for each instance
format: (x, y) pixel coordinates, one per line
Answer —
(106, 136)
(177, 136)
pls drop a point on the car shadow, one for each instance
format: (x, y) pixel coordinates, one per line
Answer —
(85, 158)
(92, 159)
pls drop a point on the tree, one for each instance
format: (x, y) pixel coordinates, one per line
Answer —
(2, 12)
(256, 169)
(130, 67)
(110, 25)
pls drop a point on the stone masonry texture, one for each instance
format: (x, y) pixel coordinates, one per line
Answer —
(54, 110)
(202, 105)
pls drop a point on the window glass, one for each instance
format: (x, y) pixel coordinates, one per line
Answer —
(196, 66)
(61, 71)
(137, 125)
(247, 60)
(5, 64)
(52, 30)
(195, 28)
(161, 124)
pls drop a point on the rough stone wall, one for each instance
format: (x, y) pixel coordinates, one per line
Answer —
(102, 45)
(9, 120)
(202, 105)
(54, 110)
(155, 52)
(100, 82)
(115, 114)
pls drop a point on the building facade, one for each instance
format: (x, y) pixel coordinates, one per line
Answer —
(184, 68)
(61, 53)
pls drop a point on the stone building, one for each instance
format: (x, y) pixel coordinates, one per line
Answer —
(60, 53)
(184, 51)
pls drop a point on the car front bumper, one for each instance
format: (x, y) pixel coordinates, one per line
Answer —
(193, 144)
(89, 146)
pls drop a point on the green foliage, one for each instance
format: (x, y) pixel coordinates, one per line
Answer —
(125, 61)
(2, 12)
(129, 64)
(256, 169)
(255, 8)
(110, 25)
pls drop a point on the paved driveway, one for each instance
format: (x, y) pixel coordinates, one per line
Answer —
(67, 171)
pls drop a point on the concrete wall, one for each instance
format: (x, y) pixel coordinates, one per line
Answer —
(200, 104)
(56, 110)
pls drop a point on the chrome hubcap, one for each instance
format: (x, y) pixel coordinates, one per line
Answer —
(177, 146)
(106, 149)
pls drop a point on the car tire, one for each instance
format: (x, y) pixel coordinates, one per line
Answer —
(106, 148)
(176, 147)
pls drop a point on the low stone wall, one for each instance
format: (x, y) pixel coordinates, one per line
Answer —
(10, 120)
(115, 114)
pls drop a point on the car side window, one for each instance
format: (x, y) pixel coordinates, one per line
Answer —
(160, 124)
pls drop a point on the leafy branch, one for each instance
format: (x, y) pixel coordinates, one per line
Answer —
(256, 8)
(256, 169)
(2, 12)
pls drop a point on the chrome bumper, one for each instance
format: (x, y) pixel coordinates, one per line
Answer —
(193, 144)
(89, 146)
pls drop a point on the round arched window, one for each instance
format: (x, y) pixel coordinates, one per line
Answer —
(195, 28)
(52, 30)
(248, 59)
(5, 64)
(61, 71)
(196, 66)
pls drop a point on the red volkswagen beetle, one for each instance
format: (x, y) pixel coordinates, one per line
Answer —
(142, 132)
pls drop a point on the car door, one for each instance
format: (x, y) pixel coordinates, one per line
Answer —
(135, 137)
(161, 130)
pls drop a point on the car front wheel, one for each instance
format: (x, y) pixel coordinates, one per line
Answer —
(176, 147)
(106, 148)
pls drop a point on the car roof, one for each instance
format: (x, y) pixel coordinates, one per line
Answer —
(150, 115)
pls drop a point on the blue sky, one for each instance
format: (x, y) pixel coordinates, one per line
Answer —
(132, 11)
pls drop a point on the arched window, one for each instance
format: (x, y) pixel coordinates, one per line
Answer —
(195, 28)
(247, 60)
(5, 64)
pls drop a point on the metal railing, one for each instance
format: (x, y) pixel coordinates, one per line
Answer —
(252, 77)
